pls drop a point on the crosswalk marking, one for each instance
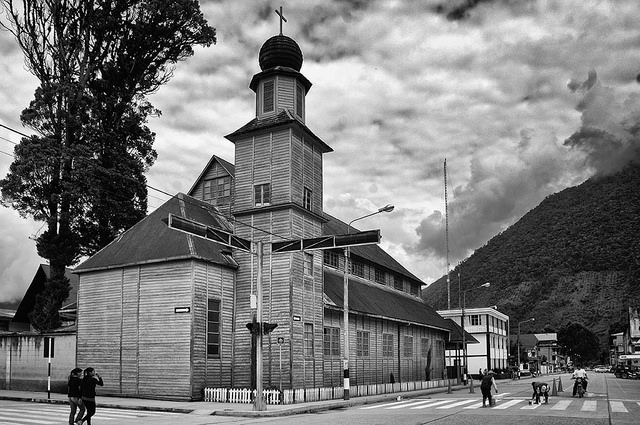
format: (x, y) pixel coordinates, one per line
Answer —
(618, 406)
(437, 403)
(415, 403)
(459, 403)
(26, 419)
(507, 404)
(377, 406)
(561, 405)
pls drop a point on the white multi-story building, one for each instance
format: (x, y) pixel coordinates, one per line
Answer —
(490, 328)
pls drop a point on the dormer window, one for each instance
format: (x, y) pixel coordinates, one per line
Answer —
(268, 96)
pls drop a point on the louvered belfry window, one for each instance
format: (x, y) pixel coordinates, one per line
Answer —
(299, 100)
(268, 96)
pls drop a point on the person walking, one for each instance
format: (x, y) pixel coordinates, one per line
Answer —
(89, 382)
(487, 383)
(74, 392)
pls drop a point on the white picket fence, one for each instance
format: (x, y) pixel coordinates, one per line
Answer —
(302, 395)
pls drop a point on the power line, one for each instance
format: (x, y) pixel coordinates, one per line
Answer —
(114, 173)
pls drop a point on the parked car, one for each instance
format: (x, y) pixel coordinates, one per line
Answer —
(601, 369)
(626, 371)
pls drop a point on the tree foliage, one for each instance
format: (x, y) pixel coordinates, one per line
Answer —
(579, 343)
(83, 173)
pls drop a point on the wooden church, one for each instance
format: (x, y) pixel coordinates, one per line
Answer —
(163, 314)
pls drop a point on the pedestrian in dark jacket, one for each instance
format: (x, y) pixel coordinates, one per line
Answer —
(540, 389)
(89, 382)
(487, 383)
(74, 392)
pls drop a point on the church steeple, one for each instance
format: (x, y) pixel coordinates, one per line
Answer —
(280, 85)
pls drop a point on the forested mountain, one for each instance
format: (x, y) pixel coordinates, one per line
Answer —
(573, 258)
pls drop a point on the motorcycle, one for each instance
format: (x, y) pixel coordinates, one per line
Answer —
(580, 386)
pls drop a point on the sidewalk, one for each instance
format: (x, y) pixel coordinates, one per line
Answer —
(206, 408)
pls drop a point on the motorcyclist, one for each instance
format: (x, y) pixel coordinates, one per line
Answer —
(579, 372)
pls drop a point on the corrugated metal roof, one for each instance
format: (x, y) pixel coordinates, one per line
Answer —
(377, 300)
(372, 253)
(151, 240)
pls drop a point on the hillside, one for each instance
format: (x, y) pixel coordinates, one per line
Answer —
(573, 258)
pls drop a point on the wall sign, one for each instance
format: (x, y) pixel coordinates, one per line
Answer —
(182, 310)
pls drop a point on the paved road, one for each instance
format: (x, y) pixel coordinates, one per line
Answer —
(610, 401)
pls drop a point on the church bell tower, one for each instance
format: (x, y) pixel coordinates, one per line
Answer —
(278, 196)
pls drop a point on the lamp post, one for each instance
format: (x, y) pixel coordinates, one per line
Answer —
(464, 337)
(533, 319)
(345, 331)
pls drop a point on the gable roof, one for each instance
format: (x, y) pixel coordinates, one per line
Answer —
(281, 119)
(372, 253)
(229, 167)
(37, 285)
(151, 240)
(379, 301)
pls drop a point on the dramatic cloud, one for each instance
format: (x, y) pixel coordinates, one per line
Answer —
(523, 99)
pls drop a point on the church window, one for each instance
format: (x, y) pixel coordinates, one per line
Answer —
(268, 96)
(217, 191)
(299, 100)
(362, 343)
(397, 283)
(408, 346)
(308, 264)
(331, 258)
(306, 198)
(213, 328)
(262, 194)
(387, 345)
(331, 341)
(380, 277)
(308, 339)
(357, 268)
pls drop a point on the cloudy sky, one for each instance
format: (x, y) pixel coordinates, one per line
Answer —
(523, 98)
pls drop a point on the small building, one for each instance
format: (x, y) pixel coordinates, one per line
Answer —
(626, 345)
(24, 352)
(489, 328)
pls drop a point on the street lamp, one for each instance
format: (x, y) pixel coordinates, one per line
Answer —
(464, 337)
(533, 319)
(386, 208)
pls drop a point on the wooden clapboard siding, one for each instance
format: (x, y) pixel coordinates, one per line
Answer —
(99, 326)
(297, 168)
(244, 174)
(165, 337)
(262, 159)
(281, 167)
(130, 330)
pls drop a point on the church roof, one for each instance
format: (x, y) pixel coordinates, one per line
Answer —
(151, 240)
(379, 301)
(372, 253)
(282, 118)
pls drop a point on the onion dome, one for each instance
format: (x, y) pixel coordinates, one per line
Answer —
(280, 50)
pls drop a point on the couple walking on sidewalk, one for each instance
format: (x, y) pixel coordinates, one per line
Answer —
(82, 395)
